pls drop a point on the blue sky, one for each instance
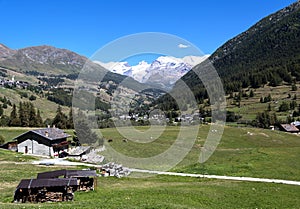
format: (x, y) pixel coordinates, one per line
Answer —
(84, 26)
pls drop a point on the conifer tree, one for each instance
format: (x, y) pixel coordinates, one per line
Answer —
(23, 114)
(32, 116)
(1, 110)
(70, 124)
(39, 120)
(84, 133)
(14, 119)
(60, 119)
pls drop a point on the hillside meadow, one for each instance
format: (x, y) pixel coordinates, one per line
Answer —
(250, 106)
(241, 152)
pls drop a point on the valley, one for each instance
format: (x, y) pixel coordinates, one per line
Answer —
(156, 118)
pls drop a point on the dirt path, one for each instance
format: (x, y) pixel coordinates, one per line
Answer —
(234, 178)
(251, 179)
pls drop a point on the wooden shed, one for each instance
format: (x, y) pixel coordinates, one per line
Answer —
(85, 178)
(46, 190)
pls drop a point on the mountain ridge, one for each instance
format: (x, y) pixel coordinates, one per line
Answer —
(47, 59)
(163, 72)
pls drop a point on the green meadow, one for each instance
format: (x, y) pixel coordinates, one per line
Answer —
(242, 152)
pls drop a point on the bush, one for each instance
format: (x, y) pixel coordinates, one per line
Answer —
(23, 94)
(284, 107)
(32, 97)
(2, 139)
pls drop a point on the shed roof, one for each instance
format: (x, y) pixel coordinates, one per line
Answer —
(39, 183)
(289, 127)
(66, 174)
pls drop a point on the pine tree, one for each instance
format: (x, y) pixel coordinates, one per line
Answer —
(269, 107)
(261, 100)
(294, 87)
(1, 111)
(14, 119)
(251, 94)
(39, 120)
(24, 114)
(285, 106)
(293, 105)
(295, 97)
(84, 133)
(70, 124)
(60, 120)
(32, 116)
(2, 139)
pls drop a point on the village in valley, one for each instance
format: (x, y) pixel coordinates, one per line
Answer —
(95, 115)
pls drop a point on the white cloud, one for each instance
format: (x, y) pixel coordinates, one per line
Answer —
(183, 46)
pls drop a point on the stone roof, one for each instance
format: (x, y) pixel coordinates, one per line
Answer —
(51, 133)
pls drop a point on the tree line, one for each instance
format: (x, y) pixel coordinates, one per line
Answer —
(27, 115)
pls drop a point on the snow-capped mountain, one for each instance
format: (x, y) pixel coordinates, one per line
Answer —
(162, 72)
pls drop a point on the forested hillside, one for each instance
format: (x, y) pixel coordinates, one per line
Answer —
(266, 54)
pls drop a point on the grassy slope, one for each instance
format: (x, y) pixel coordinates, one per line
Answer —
(47, 108)
(151, 192)
(248, 109)
(251, 106)
(242, 151)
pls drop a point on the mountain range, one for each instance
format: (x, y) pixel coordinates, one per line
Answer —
(162, 72)
(45, 59)
(54, 61)
(268, 53)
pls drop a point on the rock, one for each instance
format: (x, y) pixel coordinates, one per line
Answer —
(113, 169)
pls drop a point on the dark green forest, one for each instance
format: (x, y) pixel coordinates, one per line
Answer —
(268, 53)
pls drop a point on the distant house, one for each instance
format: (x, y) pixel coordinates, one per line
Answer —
(44, 141)
(289, 128)
(297, 124)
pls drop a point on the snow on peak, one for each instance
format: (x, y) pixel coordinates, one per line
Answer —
(164, 71)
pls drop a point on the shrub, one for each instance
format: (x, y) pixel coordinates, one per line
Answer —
(32, 97)
(2, 139)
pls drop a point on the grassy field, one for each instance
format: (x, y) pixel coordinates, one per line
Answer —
(242, 152)
(152, 192)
